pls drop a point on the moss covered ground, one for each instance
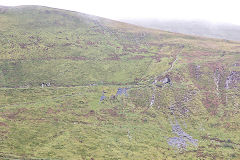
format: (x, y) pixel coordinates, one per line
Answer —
(82, 56)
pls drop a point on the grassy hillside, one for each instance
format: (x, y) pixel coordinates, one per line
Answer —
(75, 86)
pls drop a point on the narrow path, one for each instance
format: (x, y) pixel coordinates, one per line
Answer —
(155, 81)
(171, 67)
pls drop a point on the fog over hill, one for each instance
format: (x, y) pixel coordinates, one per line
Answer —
(192, 27)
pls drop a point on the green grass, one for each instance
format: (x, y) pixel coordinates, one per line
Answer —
(82, 56)
(70, 123)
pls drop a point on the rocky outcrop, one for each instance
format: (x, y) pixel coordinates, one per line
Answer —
(103, 96)
(165, 80)
(122, 91)
(197, 72)
(232, 80)
(182, 140)
(217, 77)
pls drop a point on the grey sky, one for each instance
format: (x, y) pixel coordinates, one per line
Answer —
(210, 10)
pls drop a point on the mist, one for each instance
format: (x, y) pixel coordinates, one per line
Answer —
(225, 11)
(192, 27)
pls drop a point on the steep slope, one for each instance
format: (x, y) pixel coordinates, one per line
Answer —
(76, 86)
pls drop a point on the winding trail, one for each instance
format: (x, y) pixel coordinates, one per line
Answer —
(155, 81)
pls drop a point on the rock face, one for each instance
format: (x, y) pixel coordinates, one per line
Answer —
(177, 142)
(46, 84)
(121, 91)
(165, 80)
(232, 80)
(217, 76)
(196, 71)
(103, 96)
(183, 139)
